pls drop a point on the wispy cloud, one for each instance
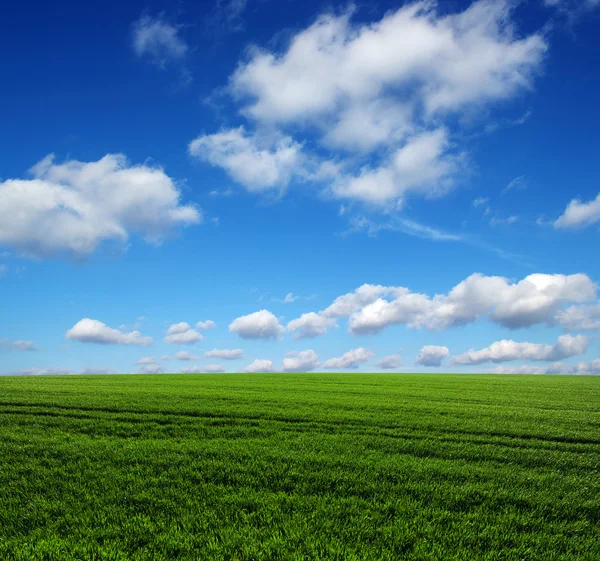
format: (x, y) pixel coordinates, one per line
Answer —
(516, 183)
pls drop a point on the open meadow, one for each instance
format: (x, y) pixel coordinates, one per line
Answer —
(300, 467)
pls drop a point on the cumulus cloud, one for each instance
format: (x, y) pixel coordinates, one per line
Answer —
(258, 163)
(184, 355)
(447, 61)
(390, 362)
(208, 324)
(159, 40)
(579, 317)
(350, 359)
(93, 331)
(300, 361)
(387, 91)
(310, 325)
(579, 215)
(431, 355)
(182, 334)
(75, 206)
(260, 365)
(507, 350)
(259, 325)
(535, 299)
(227, 354)
(8, 345)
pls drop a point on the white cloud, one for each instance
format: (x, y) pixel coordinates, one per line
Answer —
(145, 360)
(390, 362)
(366, 294)
(507, 350)
(184, 355)
(260, 365)
(75, 206)
(227, 354)
(20, 345)
(448, 62)
(258, 163)
(579, 215)
(310, 325)
(158, 39)
(390, 88)
(421, 164)
(579, 317)
(213, 368)
(208, 324)
(94, 331)
(431, 355)
(152, 369)
(165, 357)
(259, 325)
(535, 299)
(480, 201)
(300, 361)
(350, 359)
(182, 334)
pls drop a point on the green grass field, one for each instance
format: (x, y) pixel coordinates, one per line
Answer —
(300, 467)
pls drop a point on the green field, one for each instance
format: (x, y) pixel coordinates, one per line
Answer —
(300, 467)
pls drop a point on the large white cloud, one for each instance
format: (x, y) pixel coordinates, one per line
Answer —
(578, 214)
(93, 331)
(310, 325)
(75, 206)
(507, 350)
(535, 299)
(259, 325)
(386, 92)
(350, 359)
(432, 355)
(447, 62)
(227, 354)
(258, 163)
(182, 334)
(260, 365)
(300, 361)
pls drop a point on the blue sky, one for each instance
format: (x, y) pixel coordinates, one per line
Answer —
(266, 186)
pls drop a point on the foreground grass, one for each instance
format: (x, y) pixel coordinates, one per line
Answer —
(300, 467)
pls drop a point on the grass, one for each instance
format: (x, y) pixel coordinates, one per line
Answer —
(300, 467)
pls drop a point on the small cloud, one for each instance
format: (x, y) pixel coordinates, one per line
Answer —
(20, 345)
(226, 354)
(208, 324)
(182, 334)
(259, 325)
(431, 355)
(500, 221)
(93, 331)
(516, 183)
(390, 362)
(158, 40)
(260, 365)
